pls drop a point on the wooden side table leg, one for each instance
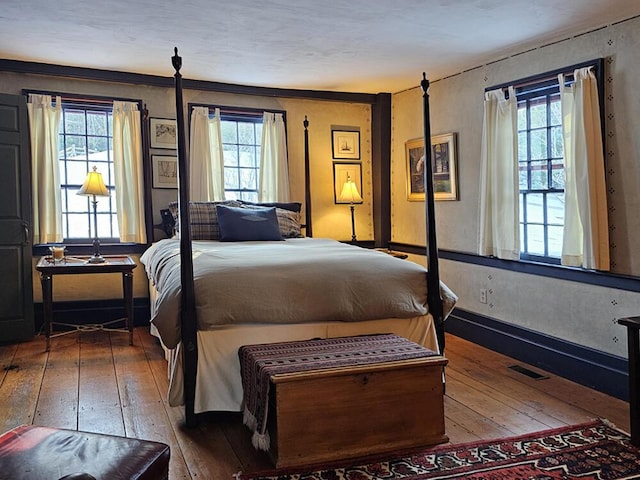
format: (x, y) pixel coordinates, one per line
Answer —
(127, 287)
(47, 306)
(633, 339)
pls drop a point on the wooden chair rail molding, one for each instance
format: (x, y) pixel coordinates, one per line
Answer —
(633, 339)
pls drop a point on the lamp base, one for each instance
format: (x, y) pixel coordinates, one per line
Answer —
(96, 259)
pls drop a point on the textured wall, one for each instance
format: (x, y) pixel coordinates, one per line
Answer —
(581, 313)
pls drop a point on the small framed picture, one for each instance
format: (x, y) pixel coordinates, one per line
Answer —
(163, 133)
(165, 171)
(345, 144)
(343, 172)
(444, 163)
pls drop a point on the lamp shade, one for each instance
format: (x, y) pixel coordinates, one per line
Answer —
(94, 185)
(350, 192)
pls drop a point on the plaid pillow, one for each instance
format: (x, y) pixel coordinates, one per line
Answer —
(203, 218)
(288, 220)
(289, 223)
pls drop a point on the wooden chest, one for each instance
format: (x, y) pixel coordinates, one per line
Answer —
(325, 415)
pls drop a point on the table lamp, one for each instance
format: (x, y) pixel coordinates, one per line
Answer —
(94, 186)
(350, 194)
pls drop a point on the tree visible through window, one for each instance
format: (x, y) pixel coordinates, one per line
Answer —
(541, 172)
(241, 140)
(86, 140)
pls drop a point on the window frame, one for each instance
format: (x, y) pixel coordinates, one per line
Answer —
(547, 84)
(107, 244)
(253, 115)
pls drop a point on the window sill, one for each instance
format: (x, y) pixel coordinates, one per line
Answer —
(87, 249)
(573, 274)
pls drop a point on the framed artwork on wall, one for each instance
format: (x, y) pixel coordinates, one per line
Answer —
(163, 133)
(165, 171)
(444, 160)
(343, 172)
(345, 144)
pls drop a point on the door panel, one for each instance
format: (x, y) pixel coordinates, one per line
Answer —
(16, 274)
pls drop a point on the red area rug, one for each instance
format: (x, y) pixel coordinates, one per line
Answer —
(596, 450)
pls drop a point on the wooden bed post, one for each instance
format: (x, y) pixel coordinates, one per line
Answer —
(307, 181)
(433, 277)
(188, 323)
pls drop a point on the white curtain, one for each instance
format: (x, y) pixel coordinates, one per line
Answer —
(274, 169)
(499, 222)
(128, 171)
(206, 156)
(44, 126)
(586, 230)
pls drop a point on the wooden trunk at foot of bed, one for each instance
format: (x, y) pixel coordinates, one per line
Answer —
(334, 414)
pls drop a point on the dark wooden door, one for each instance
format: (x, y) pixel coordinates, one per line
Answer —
(16, 271)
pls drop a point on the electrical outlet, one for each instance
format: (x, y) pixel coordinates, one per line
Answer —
(483, 295)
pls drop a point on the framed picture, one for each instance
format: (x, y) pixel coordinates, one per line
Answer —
(345, 144)
(165, 171)
(163, 133)
(444, 162)
(342, 172)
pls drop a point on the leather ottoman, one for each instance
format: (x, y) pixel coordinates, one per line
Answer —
(39, 453)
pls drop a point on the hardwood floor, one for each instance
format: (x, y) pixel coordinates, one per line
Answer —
(96, 382)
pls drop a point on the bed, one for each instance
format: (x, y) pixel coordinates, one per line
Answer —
(281, 290)
(202, 353)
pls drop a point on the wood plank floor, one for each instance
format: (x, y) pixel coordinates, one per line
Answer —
(96, 382)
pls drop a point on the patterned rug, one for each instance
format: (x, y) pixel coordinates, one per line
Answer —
(596, 450)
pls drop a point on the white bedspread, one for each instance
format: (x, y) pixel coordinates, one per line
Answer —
(294, 281)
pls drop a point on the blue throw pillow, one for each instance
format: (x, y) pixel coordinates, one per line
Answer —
(243, 224)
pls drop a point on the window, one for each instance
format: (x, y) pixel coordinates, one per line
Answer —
(541, 172)
(86, 140)
(241, 140)
(541, 165)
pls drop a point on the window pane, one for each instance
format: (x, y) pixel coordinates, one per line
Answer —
(555, 241)
(246, 134)
(522, 116)
(539, 178)
(538, 112)
(104, 224)
(535, 239)
(557, 174)
(76, 172)
(247, 156)
(74, 122)
(230, 153)
(555, 110)
(248, 179)
(75, 147)
(538, 144)
(521, 208)
(78, 225)
(555, 208)
(523, 154)
(231, 178)
(98, 148)
(535, 211)
(96, 123)
(75, 202)
(557, 147)
(522, 174)
(229, 133)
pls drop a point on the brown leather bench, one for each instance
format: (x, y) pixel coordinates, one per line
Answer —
(39, 453)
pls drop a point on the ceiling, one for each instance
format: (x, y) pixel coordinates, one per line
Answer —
(366, 46)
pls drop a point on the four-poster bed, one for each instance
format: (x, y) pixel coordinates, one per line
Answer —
(422, 321)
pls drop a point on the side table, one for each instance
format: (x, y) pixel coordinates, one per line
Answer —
(78, 265)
